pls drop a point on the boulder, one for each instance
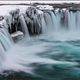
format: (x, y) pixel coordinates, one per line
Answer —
(16, 36)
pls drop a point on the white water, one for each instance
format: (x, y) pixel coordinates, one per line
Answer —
(23, 26)
(5, 44)
(41, 48)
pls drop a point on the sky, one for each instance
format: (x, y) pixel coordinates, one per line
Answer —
(39, 1)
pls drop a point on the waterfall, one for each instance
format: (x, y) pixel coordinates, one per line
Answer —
(61, 20)
(8, 21)
(6, 33)
(23, 25)
(2, 54)
(72, 21)
(48, 20)
(36, 21)
(43, 24)
(56, 50)
(5, 41)
(56, 20)
(78, 20)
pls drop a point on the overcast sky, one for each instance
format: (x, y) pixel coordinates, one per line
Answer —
(40, 1)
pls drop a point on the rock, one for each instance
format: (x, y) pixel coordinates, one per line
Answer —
(17, 36)
(73, 9)
(1, 18)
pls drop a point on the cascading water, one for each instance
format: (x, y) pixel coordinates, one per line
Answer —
(56, 20)
(5, 44)
(23, 25)
(53, 55)
(72, 21)
(5, 41)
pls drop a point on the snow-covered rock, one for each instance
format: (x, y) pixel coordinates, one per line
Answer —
(45, 7)
(17, 36)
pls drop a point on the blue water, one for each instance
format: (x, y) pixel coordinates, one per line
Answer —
(43, 58)
(53, 55)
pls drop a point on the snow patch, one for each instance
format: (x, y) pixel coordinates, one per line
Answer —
(45, 7)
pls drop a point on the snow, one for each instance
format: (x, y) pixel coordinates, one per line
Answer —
(40, 12)
(5, 9)
(45, 7)
(17, 34)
